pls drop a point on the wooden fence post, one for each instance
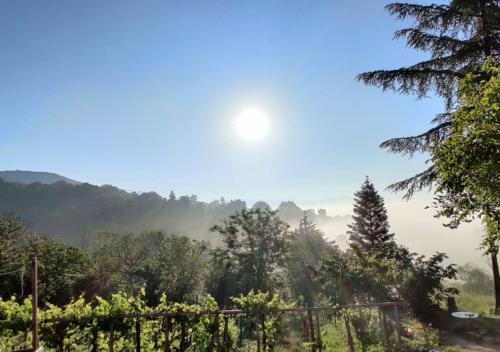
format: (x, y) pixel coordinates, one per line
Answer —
(240, 332)
(138, 335)
(312, 335)
(349, 334)
(398, 328)
(383, 326)
(111, 341)
(319, 343)
(34, 302)
(257, 330)
(183, 344)
(60, 347)
(264, 334)
(215, 337)
(166, 326)
(226, 331)
(94, 339)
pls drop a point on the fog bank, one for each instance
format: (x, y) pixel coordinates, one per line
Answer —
(416, 227)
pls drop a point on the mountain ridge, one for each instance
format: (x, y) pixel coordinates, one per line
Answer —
(28, 177)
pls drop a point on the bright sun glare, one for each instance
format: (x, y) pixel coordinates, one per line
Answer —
(252, 124)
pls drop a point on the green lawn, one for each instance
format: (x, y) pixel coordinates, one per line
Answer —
(475, 303)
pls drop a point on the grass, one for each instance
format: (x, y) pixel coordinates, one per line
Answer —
(473, 302)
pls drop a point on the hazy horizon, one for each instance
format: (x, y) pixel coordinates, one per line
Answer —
(412, 221)
(153, 96)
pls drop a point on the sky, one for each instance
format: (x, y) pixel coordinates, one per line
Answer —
(143, 95)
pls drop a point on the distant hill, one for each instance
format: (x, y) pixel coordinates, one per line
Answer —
(73, 212)
(27, 177)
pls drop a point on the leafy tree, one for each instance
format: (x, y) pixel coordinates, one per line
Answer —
(119, 257)
(307, 246)
(370, 227)
(257, 241)
(468, 161)
(176, 269)
(222, 277)
(172, 265)
(459, 37)
(261, 205)
(341, 282)
(474, 280)
(61, 268)
(356, 276)
(290, 212)
(13, 260)
(423, 289)
(378, 269)
(392, 274)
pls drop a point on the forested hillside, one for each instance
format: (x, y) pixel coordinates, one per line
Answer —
(74, 212)
(27, 177)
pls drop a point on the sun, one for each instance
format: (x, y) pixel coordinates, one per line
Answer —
(252, 124)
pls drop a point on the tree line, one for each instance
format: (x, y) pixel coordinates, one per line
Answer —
(73, 212)
(260, 253)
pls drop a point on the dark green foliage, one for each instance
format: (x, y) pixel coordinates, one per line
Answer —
(120, 257)
(307, 246)
(173, 265)
(176, 269)
(13, 261)
(61, 268)
(222, 278)
(341, 283)
(370, 227)
(377, 269)
(392, 274)
(257, 241)
(468, 161)
(459, 38)
(260, 254)
(424, 290)
(73, 213)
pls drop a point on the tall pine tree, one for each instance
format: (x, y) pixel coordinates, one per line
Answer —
(459, 37)
(370, 226)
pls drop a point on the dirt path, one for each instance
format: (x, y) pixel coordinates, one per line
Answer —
(463, 344)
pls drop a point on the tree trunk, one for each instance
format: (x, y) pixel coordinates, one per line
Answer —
(496, 280)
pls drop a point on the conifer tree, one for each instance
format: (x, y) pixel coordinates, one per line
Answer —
(459, 37)
(370, 227)
(171, 196)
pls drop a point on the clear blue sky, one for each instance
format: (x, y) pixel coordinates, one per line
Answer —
(141, 94)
